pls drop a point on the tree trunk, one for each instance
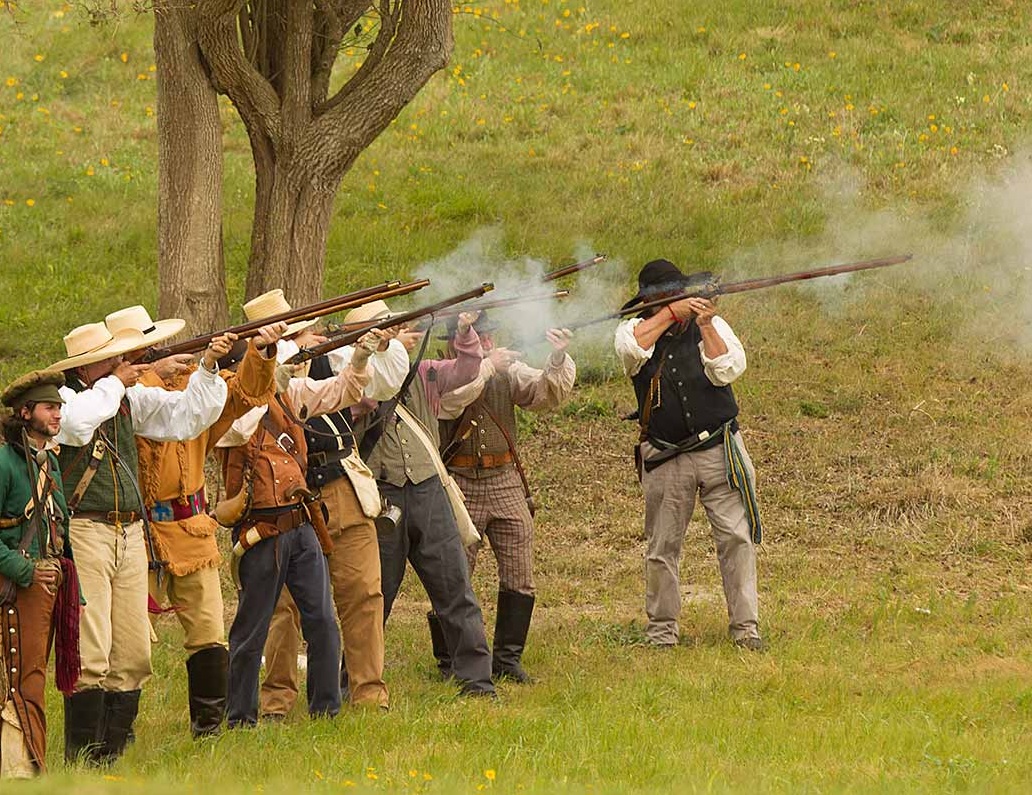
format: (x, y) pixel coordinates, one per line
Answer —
(288, 237)
(191, 269)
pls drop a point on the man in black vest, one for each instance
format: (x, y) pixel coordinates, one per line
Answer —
(682, 359)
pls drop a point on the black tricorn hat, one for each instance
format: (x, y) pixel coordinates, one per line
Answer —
(661, 276)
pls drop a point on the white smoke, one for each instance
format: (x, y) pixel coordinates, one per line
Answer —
(593, 292)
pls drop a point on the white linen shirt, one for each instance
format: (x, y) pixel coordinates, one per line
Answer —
(721, 371)
(387, 369)
(158, 414)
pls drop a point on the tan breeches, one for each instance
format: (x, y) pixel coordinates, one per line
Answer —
(196, 600)
(114, 631)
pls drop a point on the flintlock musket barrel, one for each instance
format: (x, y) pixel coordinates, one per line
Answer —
(352, 336)
(250, 329)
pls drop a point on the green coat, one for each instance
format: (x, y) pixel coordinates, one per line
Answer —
(15, 493)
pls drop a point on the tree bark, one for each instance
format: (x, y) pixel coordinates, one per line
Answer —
(191, 268)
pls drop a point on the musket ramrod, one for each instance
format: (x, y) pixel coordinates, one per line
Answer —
(715, 288)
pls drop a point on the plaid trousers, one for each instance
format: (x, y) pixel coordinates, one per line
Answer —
(498, 506)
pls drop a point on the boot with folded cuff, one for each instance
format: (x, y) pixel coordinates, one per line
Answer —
(84, 726)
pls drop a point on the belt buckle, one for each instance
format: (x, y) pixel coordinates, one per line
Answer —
(288, 446)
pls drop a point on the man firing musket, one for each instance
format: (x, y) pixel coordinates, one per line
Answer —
(682, 359)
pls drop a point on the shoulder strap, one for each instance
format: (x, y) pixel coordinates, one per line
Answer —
(96, 456)
(385, 411)
(462, 431)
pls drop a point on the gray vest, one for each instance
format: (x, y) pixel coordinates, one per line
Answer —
(399, 456)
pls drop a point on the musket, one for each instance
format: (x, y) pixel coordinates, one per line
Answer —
(334, 330)
(250, 329)
(499, 303)
(714, 288)
(353, 335)
(558, 273)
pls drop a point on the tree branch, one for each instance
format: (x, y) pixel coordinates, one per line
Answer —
(231, 72)
(415, 41)
(327, 35)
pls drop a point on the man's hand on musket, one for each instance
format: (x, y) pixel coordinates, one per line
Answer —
(703, 309)
(501, 358)
(364, 348)
(269, 335)
(309, 338)
(559, 339)
(217, 348)
(385, 335)
(129, 373)
(466, 320)
(410, 338)
(171, 367)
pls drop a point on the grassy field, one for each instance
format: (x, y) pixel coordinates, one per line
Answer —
(888, 414)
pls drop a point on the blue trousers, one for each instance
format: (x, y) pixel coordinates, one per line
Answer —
(427, 537)
(294, 559)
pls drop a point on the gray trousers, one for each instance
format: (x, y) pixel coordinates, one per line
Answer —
(295, 559)
(427, 537)
(670, 491)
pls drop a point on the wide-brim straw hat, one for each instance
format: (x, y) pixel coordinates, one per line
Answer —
(137, 320)
(374, 310)
(274, 303)
(93, 342)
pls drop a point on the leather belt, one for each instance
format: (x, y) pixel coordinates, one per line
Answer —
(283, 519)
(178, 509)
(109, 517)
(485, 461)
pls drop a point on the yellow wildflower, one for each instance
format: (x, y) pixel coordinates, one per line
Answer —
(489, 775)
(124, 57)
(39, 57)
(30, 202)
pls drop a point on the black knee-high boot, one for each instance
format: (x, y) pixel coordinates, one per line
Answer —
(511, 626)
(207, 678)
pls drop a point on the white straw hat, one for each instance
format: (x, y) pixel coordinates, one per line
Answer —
(137, 320)
(374, 310)
(273, 303)
(92, 343)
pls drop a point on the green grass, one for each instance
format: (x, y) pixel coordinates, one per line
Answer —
(888, 415)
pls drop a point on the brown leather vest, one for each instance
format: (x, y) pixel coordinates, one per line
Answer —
(275, 454)
(485, 437)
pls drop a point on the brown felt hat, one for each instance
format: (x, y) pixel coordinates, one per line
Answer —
(39, 386)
